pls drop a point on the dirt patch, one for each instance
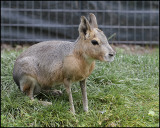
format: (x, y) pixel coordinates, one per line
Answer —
(8, 47)
(133, 49)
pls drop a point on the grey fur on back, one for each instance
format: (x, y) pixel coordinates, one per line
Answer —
(42, 60)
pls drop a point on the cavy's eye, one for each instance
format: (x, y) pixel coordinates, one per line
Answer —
(94, 42)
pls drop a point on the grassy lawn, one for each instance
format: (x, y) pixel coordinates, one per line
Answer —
(124, 93)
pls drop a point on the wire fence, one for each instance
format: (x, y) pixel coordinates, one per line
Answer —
(134, 22)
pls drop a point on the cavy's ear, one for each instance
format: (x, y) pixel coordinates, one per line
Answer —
(84, 27)
(93, 20)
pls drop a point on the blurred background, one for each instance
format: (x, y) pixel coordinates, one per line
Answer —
(133, 22)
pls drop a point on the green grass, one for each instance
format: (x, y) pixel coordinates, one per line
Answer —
(124, 93)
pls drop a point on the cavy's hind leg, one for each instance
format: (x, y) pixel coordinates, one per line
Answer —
(27, 85)
(30, 86)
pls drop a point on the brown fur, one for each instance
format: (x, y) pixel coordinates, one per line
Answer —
(76, 68)
(26, 89)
